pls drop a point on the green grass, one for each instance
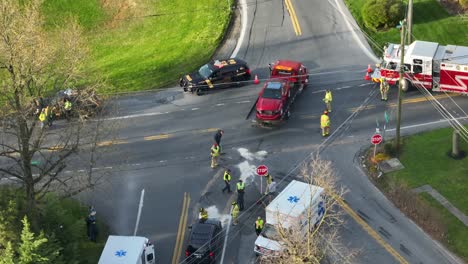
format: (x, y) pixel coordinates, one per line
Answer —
(426, 161)
(146, 52)
(457, 232)
(431, 23)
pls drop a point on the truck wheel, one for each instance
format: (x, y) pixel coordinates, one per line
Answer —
(406, 86)
(199, 92)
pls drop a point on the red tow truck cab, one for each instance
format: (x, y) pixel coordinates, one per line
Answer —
(287, 79)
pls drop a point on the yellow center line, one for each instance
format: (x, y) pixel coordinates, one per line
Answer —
(370, 231)
(156, 137)
(206, 130)
(292, 13)
(111, 142)
(55, 148)
(181, 229)
(406, 101)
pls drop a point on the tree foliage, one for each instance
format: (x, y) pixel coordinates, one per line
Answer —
(35, 64)
(382, 14)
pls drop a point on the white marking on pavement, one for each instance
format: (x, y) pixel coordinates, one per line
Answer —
(163, 161)
(81, 170)
(133, 116)
(226, 239)
(107, 167)
(346, 87)
(243, 6)
(193, 109)
(220, 104)
(319, 91)
(353, 31)
(243, 102)
(364, 84)
(426, 124)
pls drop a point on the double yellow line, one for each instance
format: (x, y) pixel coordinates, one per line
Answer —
(181, 229)
(370, 231)
(292, 14)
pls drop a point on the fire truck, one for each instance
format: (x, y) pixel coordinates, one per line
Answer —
(427, 64)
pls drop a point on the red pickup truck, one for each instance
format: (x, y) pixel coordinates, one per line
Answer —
(287, 80)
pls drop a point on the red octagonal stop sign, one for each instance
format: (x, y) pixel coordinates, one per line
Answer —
(262, 170)
(376, 139)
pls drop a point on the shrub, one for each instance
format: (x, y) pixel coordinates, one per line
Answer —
(463, 3)
(382, 14)
(390, 149)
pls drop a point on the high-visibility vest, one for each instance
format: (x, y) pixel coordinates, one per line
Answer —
(240, 186)
(46, 111)
(384, 86)
(68, 105)
(42, 117)
(259, 224)
(324, 121)
(227, 176)
(269, 179)
(204, 215)
(215, 151)
(235, 210)
(328, 97)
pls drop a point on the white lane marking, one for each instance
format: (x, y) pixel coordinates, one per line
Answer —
(107, 167)
(226, 239)
(163, 161)
(353, 31)
(220, 104)
(364, 84)
(243, 102)
(426, 124)
(345, 87)
(193, 109)
(135, 115)
(81, 170)
(243, 5)
(319, 91)
(330, 72)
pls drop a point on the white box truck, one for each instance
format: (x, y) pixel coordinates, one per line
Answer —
(290, 208)
(127, 250)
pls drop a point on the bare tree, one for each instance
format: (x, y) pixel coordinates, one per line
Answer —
(322, 242)
(36, 64)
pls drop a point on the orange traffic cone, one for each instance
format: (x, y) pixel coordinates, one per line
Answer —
(367, 77)
(256, 81)
(369, 69)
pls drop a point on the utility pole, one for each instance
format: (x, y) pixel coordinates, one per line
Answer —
(410, 21)
(400, 85)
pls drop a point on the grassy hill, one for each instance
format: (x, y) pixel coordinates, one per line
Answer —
(144, 44)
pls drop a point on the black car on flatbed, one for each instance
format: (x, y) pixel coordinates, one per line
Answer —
(216, 74)
(204, 242)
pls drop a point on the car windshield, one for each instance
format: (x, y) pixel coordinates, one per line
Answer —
(272, 90)
(269, 231)
(205, 71)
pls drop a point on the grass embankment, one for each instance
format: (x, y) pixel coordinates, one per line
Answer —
(142, 44)
(426, 160)
(431, 23)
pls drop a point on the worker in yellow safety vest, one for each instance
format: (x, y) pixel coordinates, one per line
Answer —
(235, 213)
(325, 124)
(328, 100)
(67, 105)
(258, 226)
(214, 155)
(227, 181)
(384, 87)
(42, 117)
(203, 215)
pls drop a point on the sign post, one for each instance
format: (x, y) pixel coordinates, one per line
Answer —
(262, 171)
(375, 140)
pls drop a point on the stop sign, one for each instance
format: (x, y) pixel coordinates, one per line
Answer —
(262, 170)
(376, 139)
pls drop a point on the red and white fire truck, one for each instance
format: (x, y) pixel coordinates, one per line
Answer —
(427, 64)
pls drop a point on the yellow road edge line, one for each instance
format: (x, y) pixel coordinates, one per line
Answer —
(289, 7)
(111, 142)
(156, 137)
(184, 226)
(55, 148)
(299, 30)
(176, 253)
(370, 231)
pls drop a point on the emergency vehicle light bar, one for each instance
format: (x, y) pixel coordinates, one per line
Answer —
(284, 68)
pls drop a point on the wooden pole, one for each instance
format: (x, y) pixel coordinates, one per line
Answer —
(400, 87)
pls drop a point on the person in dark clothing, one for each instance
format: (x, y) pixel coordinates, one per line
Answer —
(91, 225)
(217, 138)
(240, 200)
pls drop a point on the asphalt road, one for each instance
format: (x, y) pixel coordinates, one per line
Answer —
(164, 146)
